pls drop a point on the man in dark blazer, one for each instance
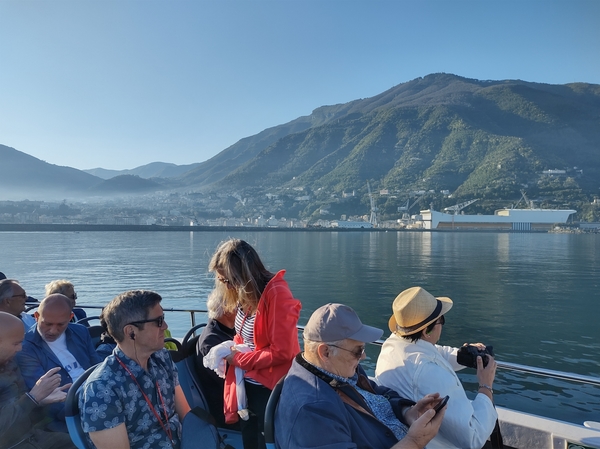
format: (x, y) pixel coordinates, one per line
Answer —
(55, 342)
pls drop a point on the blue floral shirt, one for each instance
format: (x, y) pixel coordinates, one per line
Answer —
(110, 397)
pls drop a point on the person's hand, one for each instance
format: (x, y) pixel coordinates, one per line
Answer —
(425, 403)
(46, 385)
(229, 358)
(58, 395)
(479, 346)
(422, 430)
(486, 375)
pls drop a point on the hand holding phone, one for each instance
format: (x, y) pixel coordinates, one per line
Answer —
(441, 404)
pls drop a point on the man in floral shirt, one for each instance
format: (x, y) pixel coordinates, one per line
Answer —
(133, 399)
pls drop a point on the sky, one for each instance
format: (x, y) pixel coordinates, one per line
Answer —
(120, 84)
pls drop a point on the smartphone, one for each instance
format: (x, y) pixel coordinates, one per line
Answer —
(441, 404)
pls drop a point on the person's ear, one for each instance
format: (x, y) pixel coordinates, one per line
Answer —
(323, 351)
(129, 330)
(72, 315)
(36, 315)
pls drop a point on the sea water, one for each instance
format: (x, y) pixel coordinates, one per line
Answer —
(534, 297)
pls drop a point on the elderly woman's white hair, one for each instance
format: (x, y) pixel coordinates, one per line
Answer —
(215, 305)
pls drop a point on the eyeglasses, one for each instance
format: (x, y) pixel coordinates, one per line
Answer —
(223, 280)
(22, 295)
(74, 296)
(159, 321)
(441, 320)
(357, 353)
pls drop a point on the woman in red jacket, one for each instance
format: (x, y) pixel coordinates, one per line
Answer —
(266, 318)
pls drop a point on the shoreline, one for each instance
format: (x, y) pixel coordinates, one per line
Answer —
(15, 227)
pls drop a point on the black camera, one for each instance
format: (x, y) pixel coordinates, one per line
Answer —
(467, 355)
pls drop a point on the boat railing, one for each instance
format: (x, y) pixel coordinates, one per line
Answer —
(531, 369)
(590, 380)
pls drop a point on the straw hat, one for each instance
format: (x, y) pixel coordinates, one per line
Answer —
(414, 309)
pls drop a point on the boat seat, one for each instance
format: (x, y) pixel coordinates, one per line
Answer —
(94, 330)
(185, 360)
(270, 414)
(72, 416)
(185, 368)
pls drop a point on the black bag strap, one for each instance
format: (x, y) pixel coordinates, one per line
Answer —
(496, 437)
(204, 415)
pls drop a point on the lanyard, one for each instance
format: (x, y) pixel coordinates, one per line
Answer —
(164, 407)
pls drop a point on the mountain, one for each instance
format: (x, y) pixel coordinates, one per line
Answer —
(152, 170)
(129, 184)
(484, 139)
(26, 177)
(244, 150)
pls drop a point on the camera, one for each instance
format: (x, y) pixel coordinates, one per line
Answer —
(467, 355)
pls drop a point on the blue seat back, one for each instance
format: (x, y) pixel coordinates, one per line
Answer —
(270, 414)
(72, 416)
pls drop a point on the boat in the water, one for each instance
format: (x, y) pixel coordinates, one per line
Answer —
(519, 430)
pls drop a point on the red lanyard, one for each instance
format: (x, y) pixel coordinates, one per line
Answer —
(164, 407)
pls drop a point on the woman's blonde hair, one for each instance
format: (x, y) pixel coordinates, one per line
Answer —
(61, 286)
(241, 266)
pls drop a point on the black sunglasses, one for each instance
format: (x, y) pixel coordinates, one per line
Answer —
(356, 353)
(159, 321)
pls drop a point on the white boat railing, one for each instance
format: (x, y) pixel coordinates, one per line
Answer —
(591, 380)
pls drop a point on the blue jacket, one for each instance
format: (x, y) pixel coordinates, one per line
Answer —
(36, 358)
(311, 413)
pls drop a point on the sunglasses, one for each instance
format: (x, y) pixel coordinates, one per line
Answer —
(159, 321)
(357, 353)
(224, 280)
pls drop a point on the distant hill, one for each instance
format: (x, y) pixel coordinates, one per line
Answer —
(26, 177)
(152, 170)
(130, 184)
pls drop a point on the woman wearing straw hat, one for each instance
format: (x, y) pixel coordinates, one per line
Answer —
(413, 364)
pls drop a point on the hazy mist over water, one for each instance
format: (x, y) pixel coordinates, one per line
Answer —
(534, 297)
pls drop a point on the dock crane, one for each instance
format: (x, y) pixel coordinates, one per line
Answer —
(373, 218)
(524, 198)
(457, 208)
(408, 206)
(460, 206)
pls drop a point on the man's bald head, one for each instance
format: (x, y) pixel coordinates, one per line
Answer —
(55, 302)
(53, 316)
(11, 336)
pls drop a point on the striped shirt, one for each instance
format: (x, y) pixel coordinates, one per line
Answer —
(244, 326)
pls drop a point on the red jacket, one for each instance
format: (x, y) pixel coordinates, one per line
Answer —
(275, 340)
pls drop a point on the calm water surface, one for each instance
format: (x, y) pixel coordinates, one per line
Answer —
(534, 297)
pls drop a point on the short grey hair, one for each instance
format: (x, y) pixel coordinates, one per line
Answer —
(215, 304)
(6, 289)
(311, 346)
(130, 306)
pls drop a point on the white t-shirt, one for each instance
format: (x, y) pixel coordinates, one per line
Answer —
(68, 361)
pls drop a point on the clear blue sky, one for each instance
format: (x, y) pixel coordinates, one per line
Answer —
(119, 84)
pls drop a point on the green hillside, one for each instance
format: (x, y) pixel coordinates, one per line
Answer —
(475, 139)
